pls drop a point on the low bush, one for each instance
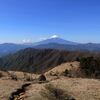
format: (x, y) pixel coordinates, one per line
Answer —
(1, 75)
(66, 72)
(54, 93)
(42, 78)
(14, 77)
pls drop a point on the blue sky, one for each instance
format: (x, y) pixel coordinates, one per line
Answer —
(33, 20)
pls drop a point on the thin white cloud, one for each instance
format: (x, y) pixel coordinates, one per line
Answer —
(26, 41)
(41, 39)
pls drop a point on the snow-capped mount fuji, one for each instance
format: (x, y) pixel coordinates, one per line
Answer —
(56, 40)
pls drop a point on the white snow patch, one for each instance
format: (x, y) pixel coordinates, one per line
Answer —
(54, 36)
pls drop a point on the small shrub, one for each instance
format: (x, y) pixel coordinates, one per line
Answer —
(69, 73)
(14, 77)
(1, 75)
(53, 93)
(66, 72)
(42, 78)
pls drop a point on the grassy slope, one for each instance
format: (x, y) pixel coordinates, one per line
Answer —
(81, 89)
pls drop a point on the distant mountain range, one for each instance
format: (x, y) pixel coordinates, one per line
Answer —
(90, 47)
(51, 43)
(9, 48)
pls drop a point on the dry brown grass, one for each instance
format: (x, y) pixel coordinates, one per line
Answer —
(81, 89)
(7, 87)
(61, 68)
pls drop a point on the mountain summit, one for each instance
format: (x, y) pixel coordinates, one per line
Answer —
(57, 40)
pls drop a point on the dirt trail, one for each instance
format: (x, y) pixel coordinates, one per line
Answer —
(19, 94)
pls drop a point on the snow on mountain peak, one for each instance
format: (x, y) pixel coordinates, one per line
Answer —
(54, 36)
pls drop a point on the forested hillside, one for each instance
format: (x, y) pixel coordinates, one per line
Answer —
(39, 60)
